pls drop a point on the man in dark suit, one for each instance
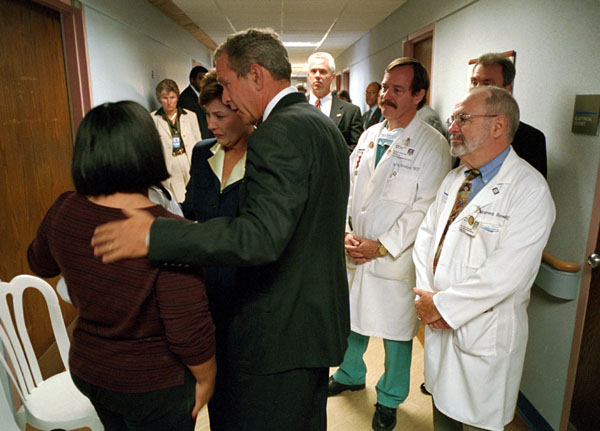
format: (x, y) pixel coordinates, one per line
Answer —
(291, 310)
(188, 99)
(373, 115)
(529, 143)
(346, 116)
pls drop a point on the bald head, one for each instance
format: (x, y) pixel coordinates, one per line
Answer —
(484, 123)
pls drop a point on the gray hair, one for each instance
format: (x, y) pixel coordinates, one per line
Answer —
(326, 56)
(256, 46)
(500, 102)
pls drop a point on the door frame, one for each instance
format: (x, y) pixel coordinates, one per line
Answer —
(408, 48)
(76, 56)
(584, 290)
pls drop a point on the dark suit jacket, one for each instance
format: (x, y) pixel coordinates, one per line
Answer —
(530, 144)
(292, 307)
(374, 119)
(347, 118)
(204, 200)
(189, 100)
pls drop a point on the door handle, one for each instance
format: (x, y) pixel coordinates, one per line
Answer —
(594, 260)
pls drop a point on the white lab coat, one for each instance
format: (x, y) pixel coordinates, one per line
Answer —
(388, 203)
(484, 282)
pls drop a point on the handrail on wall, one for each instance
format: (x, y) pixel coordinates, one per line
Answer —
(558, 278)
(561, 265)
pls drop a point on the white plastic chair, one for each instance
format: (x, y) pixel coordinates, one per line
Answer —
(7, 416)
(54, 402)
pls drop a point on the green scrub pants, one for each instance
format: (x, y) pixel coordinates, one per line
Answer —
(393, 386)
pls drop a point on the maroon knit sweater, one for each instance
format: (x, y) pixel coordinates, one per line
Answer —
(138, 325)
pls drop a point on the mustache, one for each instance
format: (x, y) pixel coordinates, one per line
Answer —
(388, 103)
(457, 137)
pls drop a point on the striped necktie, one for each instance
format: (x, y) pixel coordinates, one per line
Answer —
(318, 104)
(462, 197)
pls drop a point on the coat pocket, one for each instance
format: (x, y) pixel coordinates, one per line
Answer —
(401, 269)
(482, 245)
(401, 189)
(478, 336)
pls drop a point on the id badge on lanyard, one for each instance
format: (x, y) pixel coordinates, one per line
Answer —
(178, 147)
(176, 144)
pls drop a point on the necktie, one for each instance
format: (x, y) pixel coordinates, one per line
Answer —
(462, 197)
(318, 104)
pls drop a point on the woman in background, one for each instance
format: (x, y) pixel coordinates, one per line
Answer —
(143, 346)
(179, 131)
(218, 167)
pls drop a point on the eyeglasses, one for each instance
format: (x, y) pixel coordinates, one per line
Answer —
(461, 118)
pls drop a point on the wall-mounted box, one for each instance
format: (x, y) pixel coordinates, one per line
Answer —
(585, 115)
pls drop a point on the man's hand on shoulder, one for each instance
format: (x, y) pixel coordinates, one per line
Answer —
(124, 238)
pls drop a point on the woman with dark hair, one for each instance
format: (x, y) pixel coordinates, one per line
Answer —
(143, 346)
(179, 131)
(218, 167)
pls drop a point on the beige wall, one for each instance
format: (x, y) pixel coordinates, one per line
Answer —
(557, 57)
(132, 46)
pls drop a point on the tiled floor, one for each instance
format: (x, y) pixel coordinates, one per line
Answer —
(354, 411)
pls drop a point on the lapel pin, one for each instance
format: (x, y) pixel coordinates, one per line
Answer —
(371, 144)
(339, 115)
(495, 190)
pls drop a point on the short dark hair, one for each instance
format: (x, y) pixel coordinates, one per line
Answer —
(420, 78)
(196, 70)
(508, 67)
(344, 94)
(117, 149)
(256, 46)
(375, 83)
(210, 89)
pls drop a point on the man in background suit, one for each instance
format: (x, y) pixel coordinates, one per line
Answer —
(291, 312)
(346, 116)
(188, 99)
(373, 115)
(529, 143)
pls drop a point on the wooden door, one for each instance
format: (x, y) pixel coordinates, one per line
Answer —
(35, 142)
(585, 414)
(422, 51)
(420, 46)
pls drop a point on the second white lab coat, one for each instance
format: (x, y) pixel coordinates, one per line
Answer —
(483, 284)
(388, 203)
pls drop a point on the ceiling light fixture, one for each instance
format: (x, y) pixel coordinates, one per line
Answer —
(300, 44)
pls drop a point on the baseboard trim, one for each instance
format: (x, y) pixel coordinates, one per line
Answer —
(530, 414)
